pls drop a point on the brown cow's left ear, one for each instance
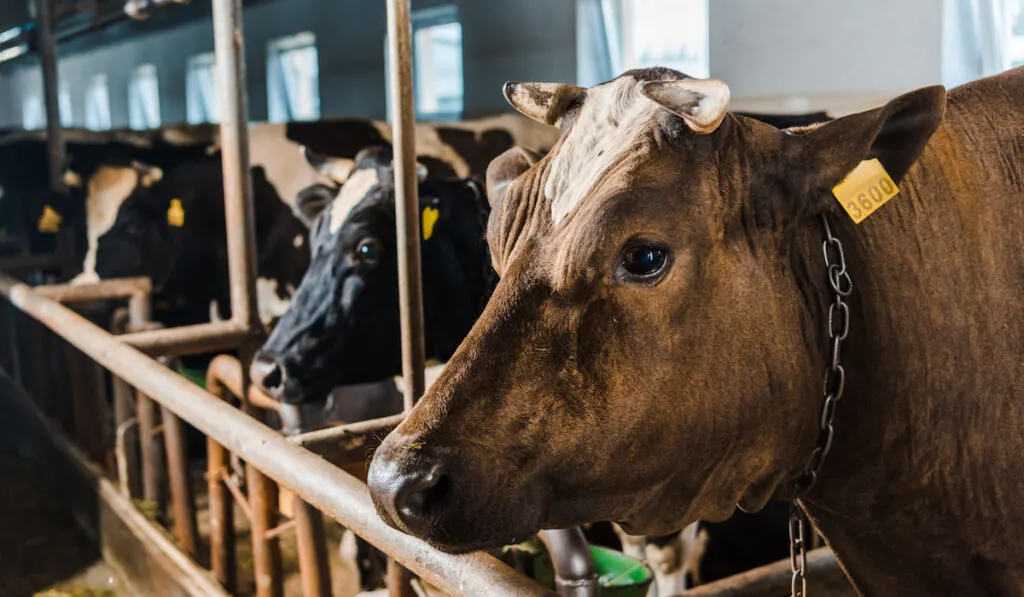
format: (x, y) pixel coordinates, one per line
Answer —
(896, 134)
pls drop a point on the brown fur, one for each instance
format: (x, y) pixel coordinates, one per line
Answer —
(579, 397)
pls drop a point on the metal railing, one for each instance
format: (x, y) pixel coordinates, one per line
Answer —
(324, 486)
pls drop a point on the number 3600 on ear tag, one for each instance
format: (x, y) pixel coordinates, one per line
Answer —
(865, 189)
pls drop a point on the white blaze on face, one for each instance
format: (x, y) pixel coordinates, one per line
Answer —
(352, 192)
(108, 189)
(611, 118)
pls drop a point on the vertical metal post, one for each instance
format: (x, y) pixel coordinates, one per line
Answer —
(407, 223)
(54, 134)
(150, 449)
(186, 529)
(223, 558)
(314, 568)
(266, 551)
(234, 141)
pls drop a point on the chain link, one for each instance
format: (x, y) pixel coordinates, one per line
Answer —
(833, 386)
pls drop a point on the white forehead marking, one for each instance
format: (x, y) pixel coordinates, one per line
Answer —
(298, 241)
(609, 121)
(108, 189)
(352, 192)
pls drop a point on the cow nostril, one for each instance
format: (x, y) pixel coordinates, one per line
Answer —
(422, 494)
(267, 373)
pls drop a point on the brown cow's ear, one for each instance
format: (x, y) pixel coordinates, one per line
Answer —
(702, 103)
(896, 134)
(543, 102)
(503, 170)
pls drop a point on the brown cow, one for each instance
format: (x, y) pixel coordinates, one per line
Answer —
(663, 292)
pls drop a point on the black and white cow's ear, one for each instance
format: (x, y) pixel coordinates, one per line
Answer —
(702, 103)
(336, 169)
(311, 202)
(148, 175)
(503, 170)
(421, 172)
(896, 134)
(544, 102)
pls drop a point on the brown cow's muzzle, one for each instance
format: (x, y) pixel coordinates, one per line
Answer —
(437, 495)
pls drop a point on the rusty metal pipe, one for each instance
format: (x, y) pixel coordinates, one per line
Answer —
(119, 288)
(313, 479)
(575, 575)
(227, 371)
(31, 262)
(191, 339)
(186, 529)
(234, 142)
(223, 556)
(54, 133)
(150, 451)
(824, 577)
(314, 568)
(407, 222)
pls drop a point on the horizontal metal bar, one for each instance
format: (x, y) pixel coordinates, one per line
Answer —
(313, 479)
(190, 339)
(120, 288)
(348, 444)
(23, 262)
(824, 577)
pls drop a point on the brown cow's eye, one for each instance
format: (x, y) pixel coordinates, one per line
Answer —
(643, 262)
(368, 251)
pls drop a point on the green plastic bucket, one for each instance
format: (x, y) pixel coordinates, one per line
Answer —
(618, 574)
(196, 376)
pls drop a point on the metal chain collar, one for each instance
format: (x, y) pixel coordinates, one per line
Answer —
(833, 386)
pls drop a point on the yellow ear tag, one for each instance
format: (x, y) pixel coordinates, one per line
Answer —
(176, 214)
(865, 189)
(50, 221)
(430, 216)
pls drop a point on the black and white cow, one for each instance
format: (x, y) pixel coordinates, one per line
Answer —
(172, 229)
(343, 326)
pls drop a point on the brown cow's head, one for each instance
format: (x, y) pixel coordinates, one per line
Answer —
(651, 355)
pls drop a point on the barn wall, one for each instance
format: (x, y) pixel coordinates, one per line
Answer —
(527, 39)
(801, 47)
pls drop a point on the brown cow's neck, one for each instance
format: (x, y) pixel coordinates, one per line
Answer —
(922, 493)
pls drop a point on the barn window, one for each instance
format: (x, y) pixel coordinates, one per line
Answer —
(144, 98)
(64, 104)
(1015, 24)
(617, 35)
(97, 104)
(437, 63)
(33, 116)
(202, 100)
(293, 79)
(33, 109)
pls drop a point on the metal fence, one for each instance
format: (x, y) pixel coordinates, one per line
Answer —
(306, 465)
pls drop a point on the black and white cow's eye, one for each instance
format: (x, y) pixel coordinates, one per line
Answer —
(643, 262)
(368, 251)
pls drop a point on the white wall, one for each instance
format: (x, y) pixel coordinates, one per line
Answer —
(813, 47)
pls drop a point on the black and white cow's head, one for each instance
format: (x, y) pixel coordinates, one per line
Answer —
(343, 324)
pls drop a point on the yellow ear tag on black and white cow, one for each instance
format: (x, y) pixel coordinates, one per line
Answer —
(50, 221)
(176, 214)
(430, 216)
(865, 189)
